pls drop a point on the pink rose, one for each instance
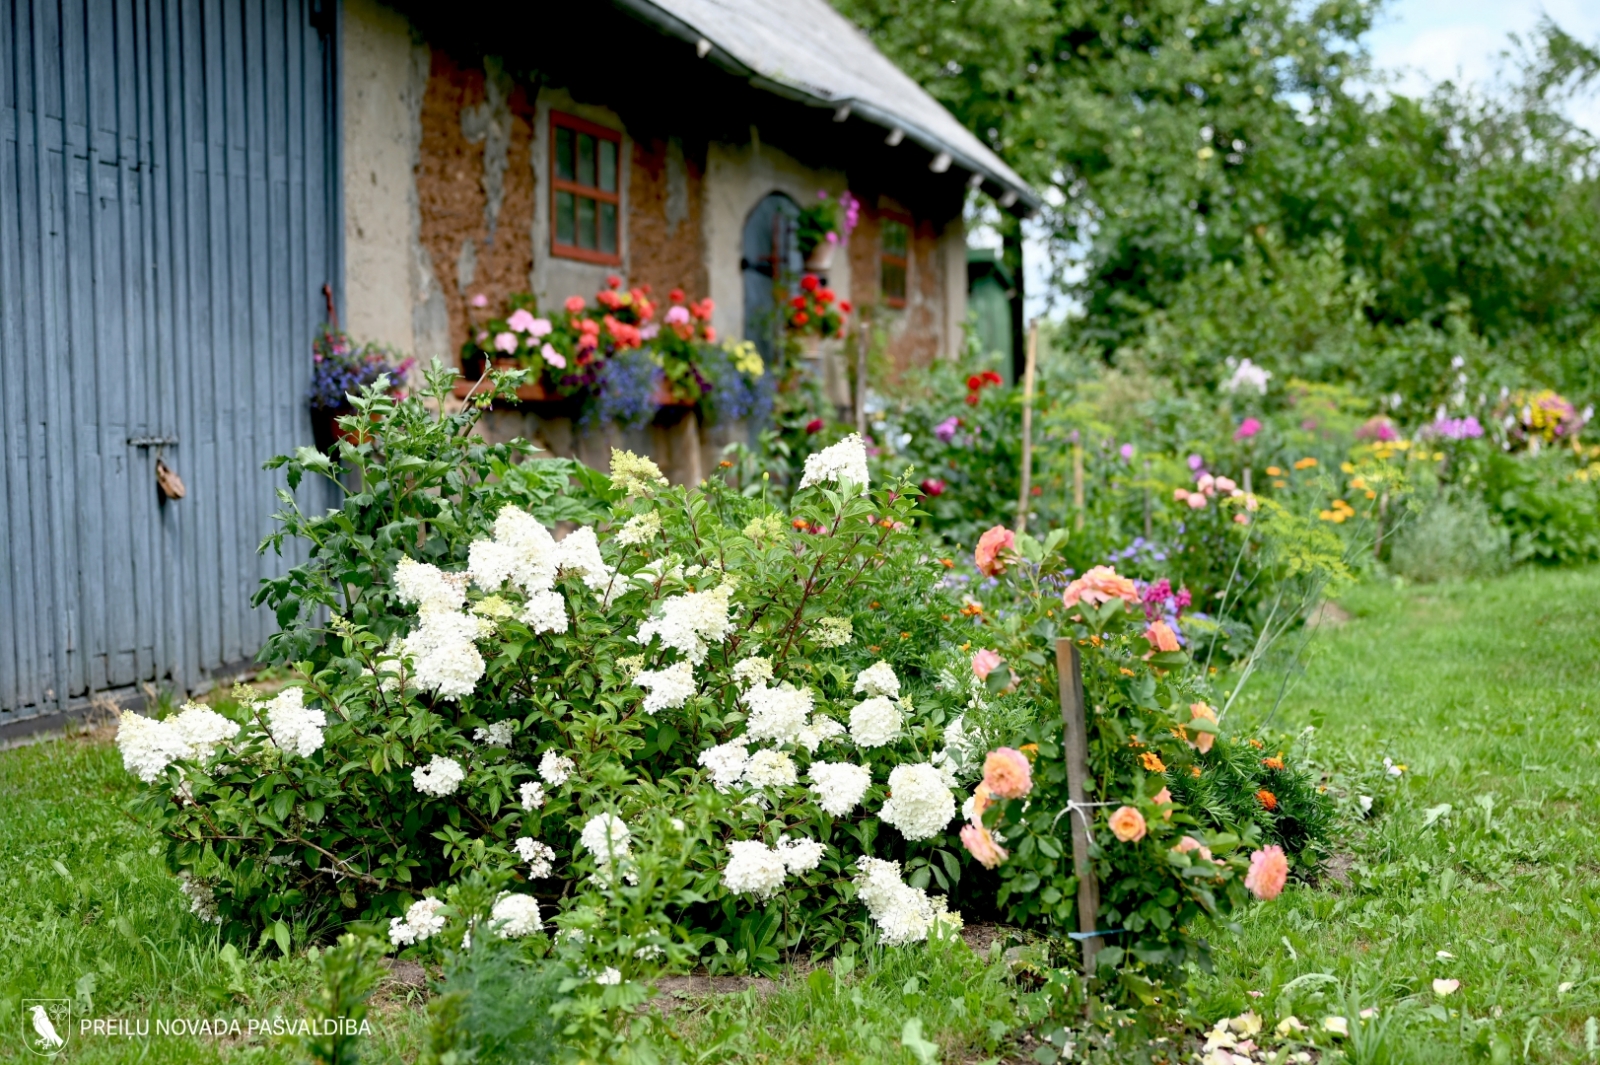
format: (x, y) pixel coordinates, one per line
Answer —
(1007, 774)
(1189, 843)
(981, 845)
(990, 546)
(1098, 586)
(553, 357)
(1127, 824)
(1269, 869)
(985, 662)
(506, 342)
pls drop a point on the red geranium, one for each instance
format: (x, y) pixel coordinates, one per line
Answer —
(933, 486)
(613, 281)
(810, 282)
(814, 426)
(675, 296)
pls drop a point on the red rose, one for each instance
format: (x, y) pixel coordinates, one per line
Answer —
(809, 282)
(814, 426)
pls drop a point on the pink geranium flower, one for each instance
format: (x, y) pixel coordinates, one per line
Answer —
(506, 342)
(1269, 869)
(677, 316)
(553, 357)
(990, 547)
(521, 321)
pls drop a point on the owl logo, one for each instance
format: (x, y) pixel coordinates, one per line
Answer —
(46, 1024)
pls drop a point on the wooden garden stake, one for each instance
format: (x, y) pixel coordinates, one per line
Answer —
(1075, 728)
(1147, 523)
(1027, 426)
(861, 378)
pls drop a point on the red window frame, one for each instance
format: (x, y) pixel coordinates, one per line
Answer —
(580, 191)
(887, 259)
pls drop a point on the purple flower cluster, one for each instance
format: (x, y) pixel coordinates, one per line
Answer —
(730, 395)
(1466, 428)
(1140, 549)
(1161, 601)
(946, 430)
(340, 368)
(628, 385)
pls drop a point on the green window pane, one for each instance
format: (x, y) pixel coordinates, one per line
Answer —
(608, 228)
(894, 281)
(564, 165)
(585, 222)
(565, 219)
(585, 159)
(896, 238)
(608, 166)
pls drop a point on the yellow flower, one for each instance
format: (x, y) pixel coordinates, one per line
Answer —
(1305, 463)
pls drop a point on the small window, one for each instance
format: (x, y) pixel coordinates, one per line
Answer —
(583, 191)
(896, 249)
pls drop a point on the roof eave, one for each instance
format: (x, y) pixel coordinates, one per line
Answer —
(1023, 201)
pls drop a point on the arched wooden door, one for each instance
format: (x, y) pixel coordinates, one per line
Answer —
(770, 261)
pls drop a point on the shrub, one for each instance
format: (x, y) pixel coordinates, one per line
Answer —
(1451, 538)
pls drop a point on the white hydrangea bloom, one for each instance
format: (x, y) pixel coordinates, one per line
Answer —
(878, 679)
(903, 913)
(726, 761)
(819, 732)
(544, 611)
(753, 869)
(532, 559)
(541, 857)
(610, 976)
(440, 777)
(293, 727)
(691, 622)
(605, 837)
(147, 746)
(770, 769)
(875, 722)
(203, 730)
(639, 529)
(845, 461)
(920, 802)
(839, 786)
(1247, 377)
(832, 632)
(429, 588)
(579, 555)
(422, 921)
(777, 714)
(516, 916)
(498, 734)
(800, 855)
(444, 658)
(669, 688)
(532, 793)
(956, 740)
(753, 670)
(556, 768)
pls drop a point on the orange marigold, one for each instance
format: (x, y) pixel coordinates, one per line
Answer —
(1273, 763)
(1267, 800)
(1152, 762)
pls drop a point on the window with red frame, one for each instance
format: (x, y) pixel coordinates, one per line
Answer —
(584, 202)
(896, 249)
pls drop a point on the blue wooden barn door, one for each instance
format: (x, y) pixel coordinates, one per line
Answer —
(168, 216)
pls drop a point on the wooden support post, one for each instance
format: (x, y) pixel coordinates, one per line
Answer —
(1027, 427)
(1075, 727)
(1147, 521)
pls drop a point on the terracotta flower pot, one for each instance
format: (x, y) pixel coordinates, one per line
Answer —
(821, 257)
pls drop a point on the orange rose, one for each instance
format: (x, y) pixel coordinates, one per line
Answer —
(1202, 740)
(1007, 774)
(990, 546)
(1127, 824)
(1099, 585)
(1268, 871)
(1161, 636)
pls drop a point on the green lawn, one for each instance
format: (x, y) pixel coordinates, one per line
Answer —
(1487, 693)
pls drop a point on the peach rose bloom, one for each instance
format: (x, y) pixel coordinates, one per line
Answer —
(1097, 586)
(990, 545)
(1268, 871)
(1007, 774)
(984, 663)
(1161, 636)
(1202, 740)
(1189, 843)
(1127, 824)
(1163, 798)
(982, 799)
(981, 845)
